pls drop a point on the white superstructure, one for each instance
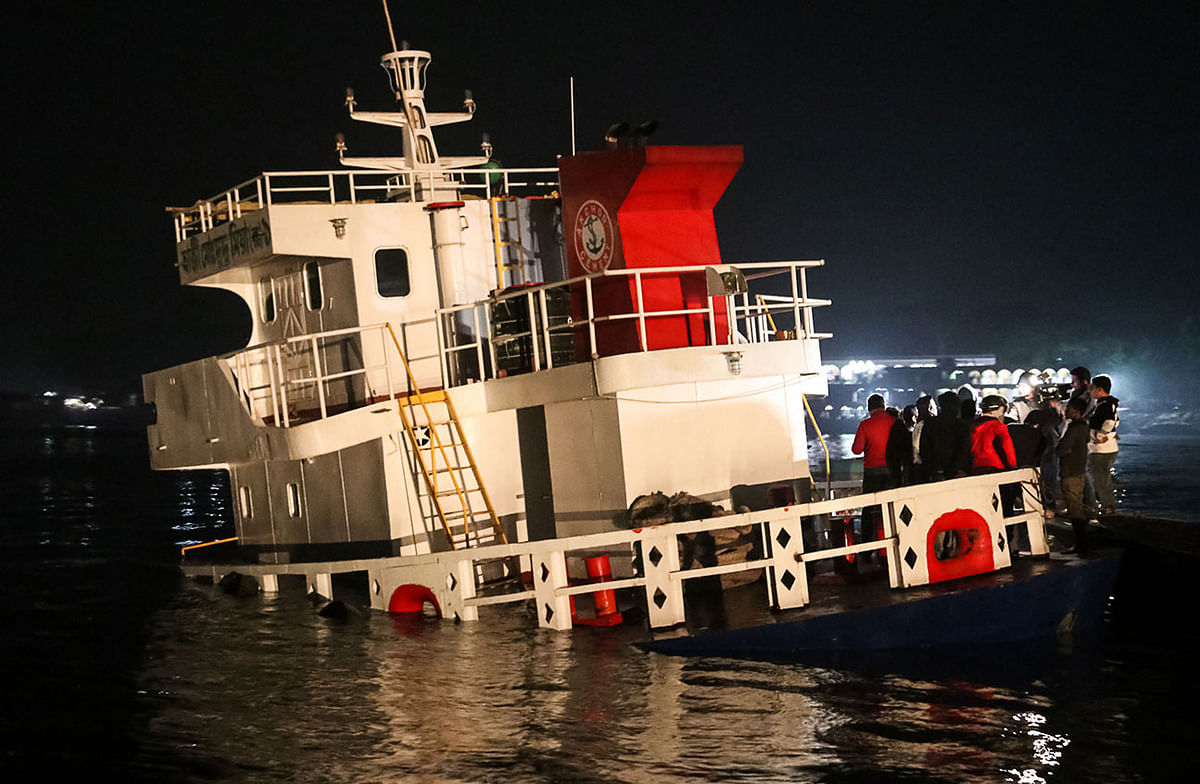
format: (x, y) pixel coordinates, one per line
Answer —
(447, 355)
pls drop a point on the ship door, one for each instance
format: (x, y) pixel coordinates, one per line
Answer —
(535, 472)
(299, 364)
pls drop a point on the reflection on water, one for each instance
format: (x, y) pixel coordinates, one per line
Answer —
(155, 678)
(264, 687)
(203, 507)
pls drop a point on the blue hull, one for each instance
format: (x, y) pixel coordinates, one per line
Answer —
(994, 608)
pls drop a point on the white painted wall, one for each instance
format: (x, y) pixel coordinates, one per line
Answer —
(706, 437)
(586, 465)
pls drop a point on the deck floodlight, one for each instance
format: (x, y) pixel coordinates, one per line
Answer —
(339, 144)
(724, 281)
(468, 102)
(733, 361)
(350, 102)
(485, 144)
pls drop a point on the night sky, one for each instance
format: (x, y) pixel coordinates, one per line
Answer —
(1006, 177)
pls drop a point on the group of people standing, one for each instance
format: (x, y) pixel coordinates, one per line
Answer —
(1071, 438)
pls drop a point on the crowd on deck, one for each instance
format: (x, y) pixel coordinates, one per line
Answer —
(1068, 434)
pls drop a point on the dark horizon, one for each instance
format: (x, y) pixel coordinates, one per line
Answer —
(1016, 180)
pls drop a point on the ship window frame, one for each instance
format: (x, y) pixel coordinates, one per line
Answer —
(387, 287)
(267, 309)
(313, 278)
(292, 490)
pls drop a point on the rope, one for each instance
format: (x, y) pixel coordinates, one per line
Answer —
(391, 32)
(772, 388)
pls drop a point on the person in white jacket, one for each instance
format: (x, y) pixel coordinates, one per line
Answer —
(1102, 442)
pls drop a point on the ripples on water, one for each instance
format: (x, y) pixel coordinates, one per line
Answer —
(115, 665)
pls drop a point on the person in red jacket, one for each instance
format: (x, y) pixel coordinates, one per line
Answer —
(871, 442)
(991, 445)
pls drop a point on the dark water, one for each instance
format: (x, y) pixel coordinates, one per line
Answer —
(114, 665)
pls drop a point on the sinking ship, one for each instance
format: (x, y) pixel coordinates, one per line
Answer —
(461, 378)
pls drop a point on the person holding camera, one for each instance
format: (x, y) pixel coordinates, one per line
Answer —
(1050, 404)
(1027, 402)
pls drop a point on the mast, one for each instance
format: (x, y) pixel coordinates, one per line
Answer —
(405, 70)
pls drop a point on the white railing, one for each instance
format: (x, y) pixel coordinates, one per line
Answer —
(356, 187)
(908, 522)
(313, 376)
(904, 546)
(468, 335)
(291, 381)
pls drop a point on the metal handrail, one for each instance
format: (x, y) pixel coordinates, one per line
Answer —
(738, 312)
(746, 324)
(183, 551)
(268, 359)
(358, 185)
(640, 538)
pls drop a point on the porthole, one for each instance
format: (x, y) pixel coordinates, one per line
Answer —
(293, 499)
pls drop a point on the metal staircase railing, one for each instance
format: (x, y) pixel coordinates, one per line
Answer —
(454, 487)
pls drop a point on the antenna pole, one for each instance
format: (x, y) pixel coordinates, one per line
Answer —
(391, 32)
(572, 113)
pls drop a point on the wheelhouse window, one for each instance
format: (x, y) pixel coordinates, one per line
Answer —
(314, 297)
(391, 272)
(266, 300)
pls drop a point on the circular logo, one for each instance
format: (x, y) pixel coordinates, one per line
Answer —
(594, 236)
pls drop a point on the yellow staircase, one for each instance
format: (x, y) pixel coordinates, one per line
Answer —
(506, 237)
(453, 492)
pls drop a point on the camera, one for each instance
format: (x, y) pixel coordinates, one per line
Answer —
(1047, 393)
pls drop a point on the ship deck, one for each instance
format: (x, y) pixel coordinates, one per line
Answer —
(1036, 596)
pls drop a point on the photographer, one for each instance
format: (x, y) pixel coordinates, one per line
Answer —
(1051, 399)
(1027, 401)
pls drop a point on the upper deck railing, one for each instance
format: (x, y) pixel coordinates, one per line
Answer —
(474, 346)
(364, 186)
(308, 377)
(314, 376)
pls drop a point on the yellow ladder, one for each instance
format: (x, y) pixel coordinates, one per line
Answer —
(454, 487)
(506, 235)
